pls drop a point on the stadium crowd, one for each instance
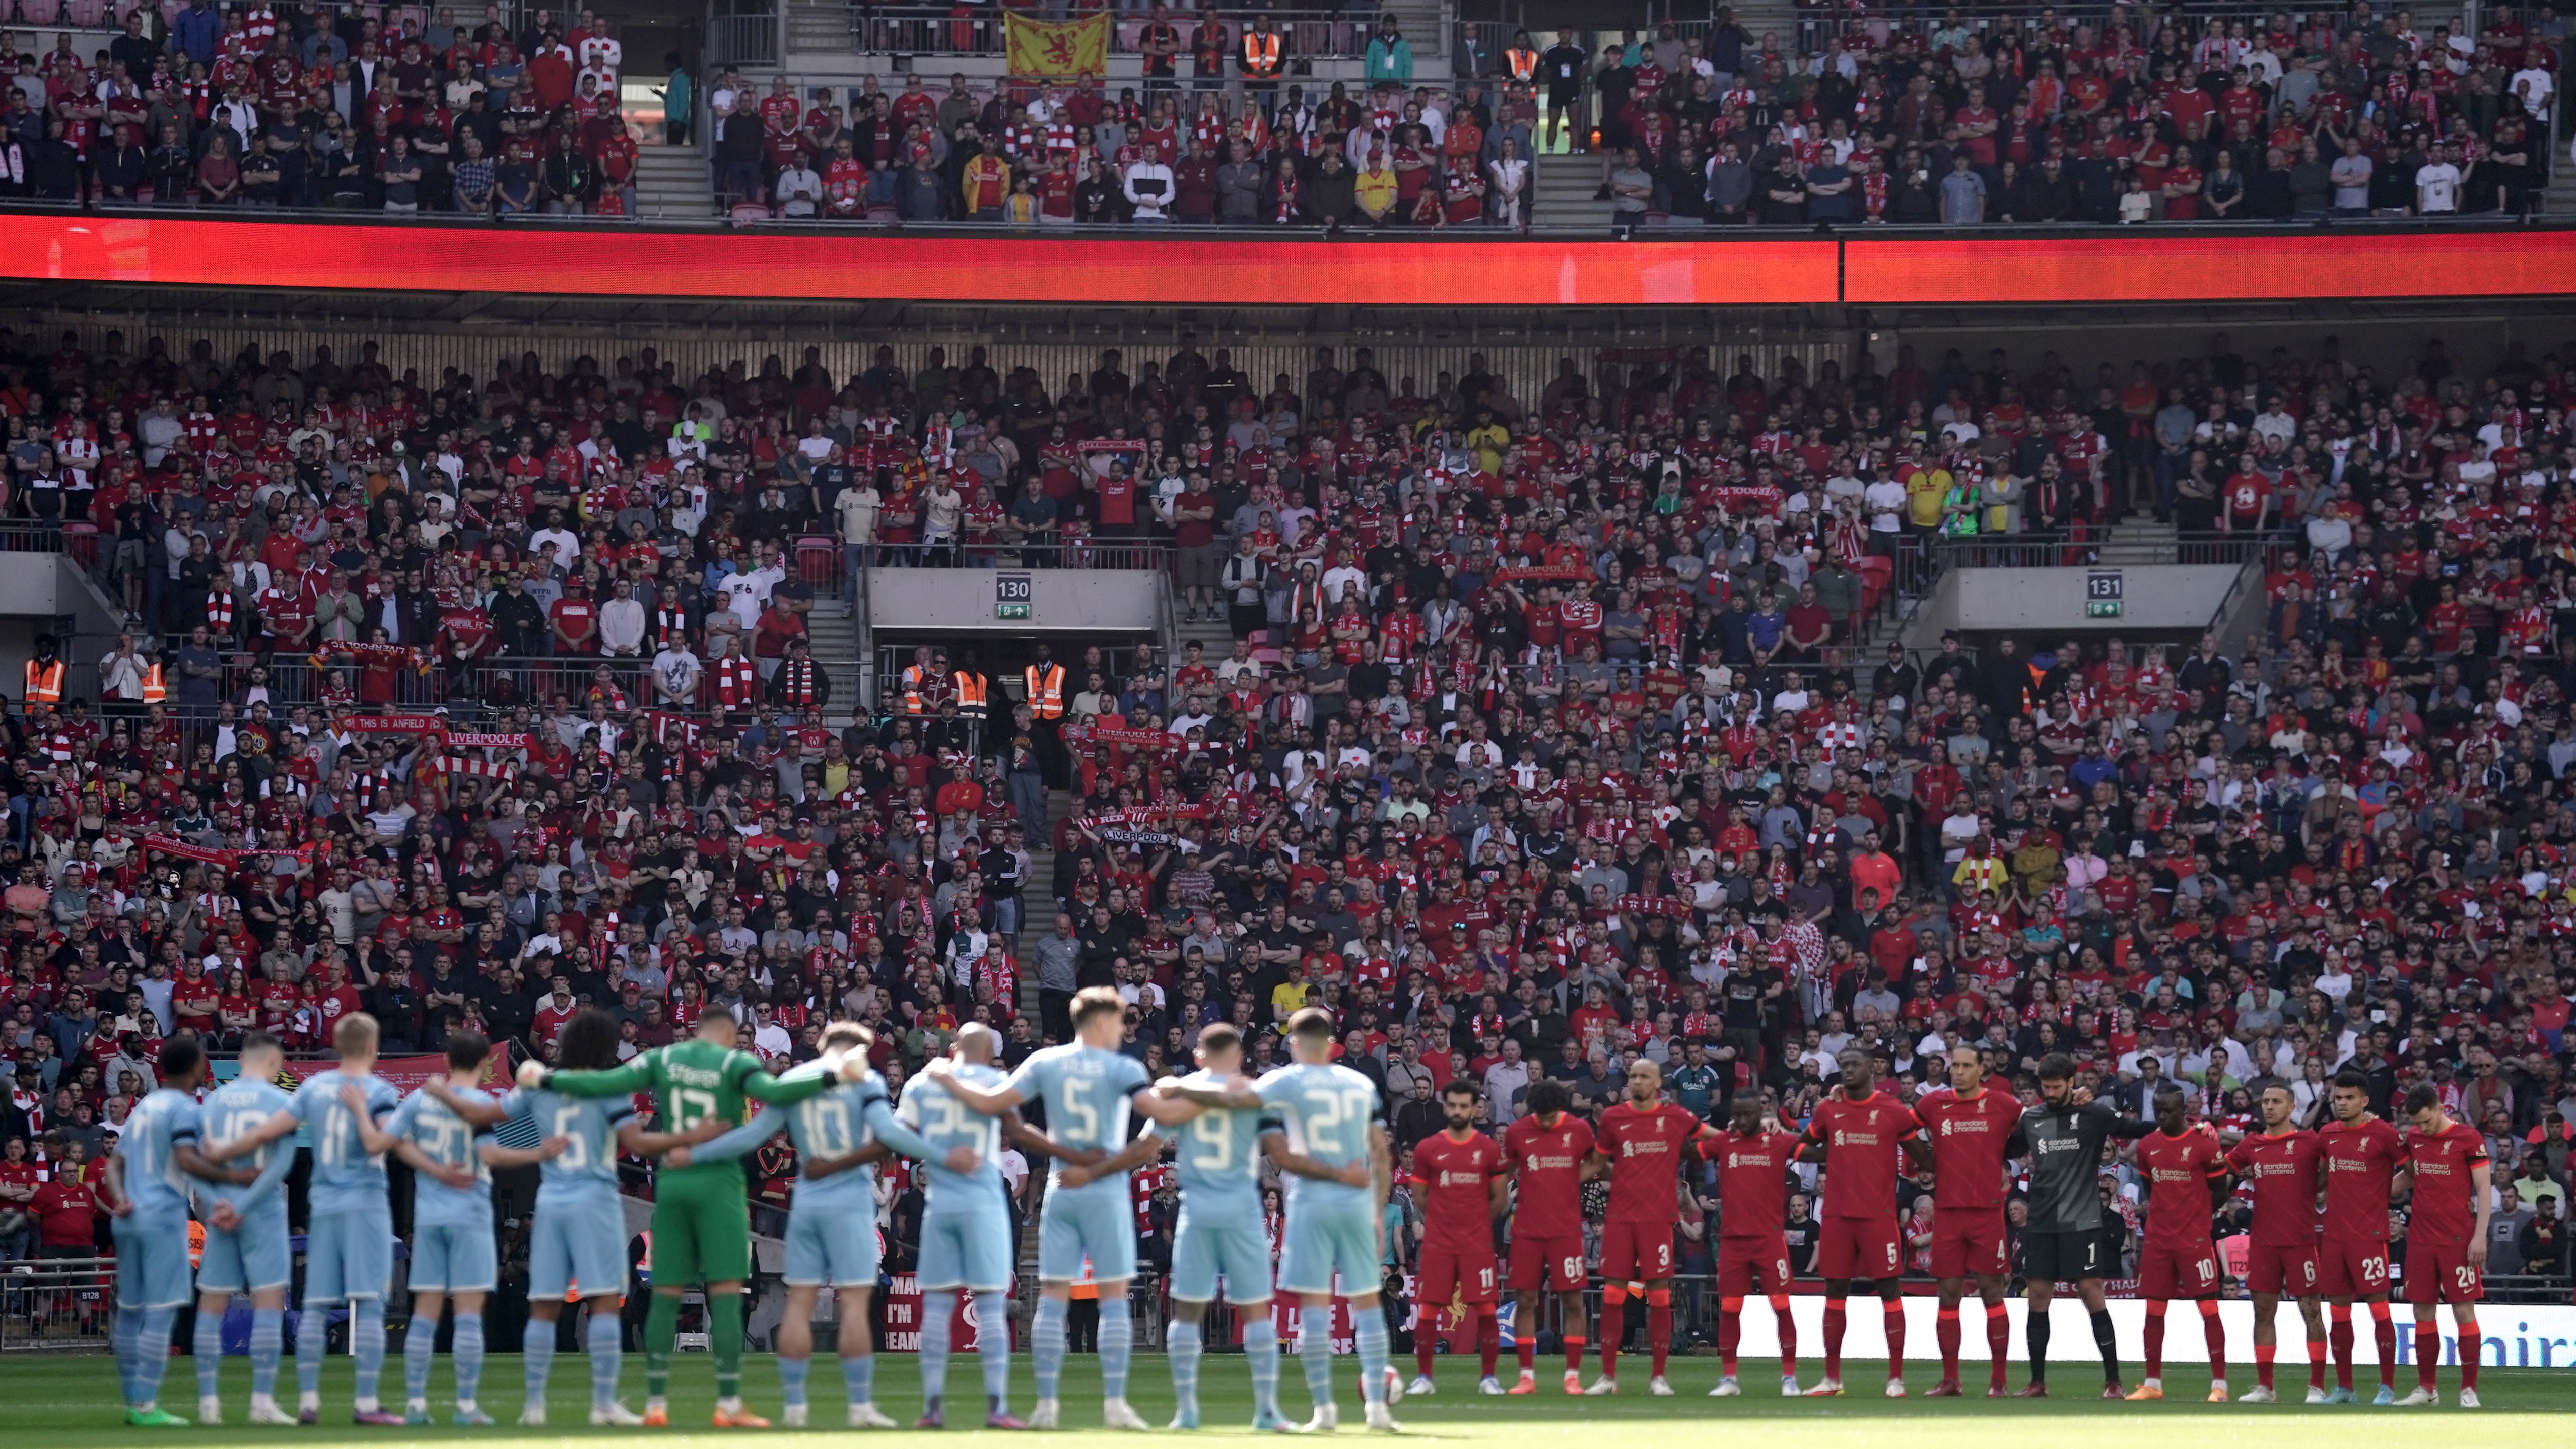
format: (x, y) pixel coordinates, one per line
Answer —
(263, 105)
(1541, 747)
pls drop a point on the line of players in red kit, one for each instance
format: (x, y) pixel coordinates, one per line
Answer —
(1965, 1135)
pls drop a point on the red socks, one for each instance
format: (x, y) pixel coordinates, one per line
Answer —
(1659, 1325)
(2385, 1329)
(1574, 1352)
(2263, 1355)
(1998, 1340)
(1614, 1326)
(1894, 1311)
(2318, 1354)
(1426, 1337)
(2471, 1345)
(1525, 1344)
(2428, 1351)
(1730, 1333)
(2214, 1334)
(1489, 1340)
(2155, 1340)
(2339, 1338)
(1834, 1339)
(1788, 1334)
(1945, 1332)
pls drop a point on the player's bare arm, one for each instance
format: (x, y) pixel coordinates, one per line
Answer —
(1127, 1159)
(2481, 1177)
(1274, 1145)
(445, 1173)
(496, 1155)
(1029, 1139)
(480, 1111)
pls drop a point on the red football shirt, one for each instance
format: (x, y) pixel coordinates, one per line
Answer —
(1752, 1181)
(2178, 1171)
(1864, 1152)
(1456, 1210)
(1968, 1136)
(1549, 1164)
(2360, 1166)
(2445, 1209)
(2284, 1169)
(1645, 1152)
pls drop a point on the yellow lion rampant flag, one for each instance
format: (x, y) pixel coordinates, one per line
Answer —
(1057, 48)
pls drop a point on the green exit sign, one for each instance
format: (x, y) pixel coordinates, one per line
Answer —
(1010, 611)
(2101, 608)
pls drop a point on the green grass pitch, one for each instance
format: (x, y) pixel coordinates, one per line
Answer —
(71, 1403)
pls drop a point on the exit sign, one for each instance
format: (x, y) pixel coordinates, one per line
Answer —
(2102, 594)
(1012, 596)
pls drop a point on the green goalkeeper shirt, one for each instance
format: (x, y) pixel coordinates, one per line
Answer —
(693, 1082)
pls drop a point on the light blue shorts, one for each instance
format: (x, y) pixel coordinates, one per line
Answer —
(1095, 1221)
(348, 1256)
(969, 1250)
(580, 1246)
(832, 1245)
(1320, 1241)
(1232, 1246)
(257, 1255)
(152, 1261)
(453, 1258)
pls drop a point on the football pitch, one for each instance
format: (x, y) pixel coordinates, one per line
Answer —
(71, 1403)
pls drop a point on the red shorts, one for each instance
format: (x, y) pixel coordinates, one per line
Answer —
(1455, 1275)
(2178, 1270)
(1868, 1248)
(2291, 1271)
(1967, 1241)
(1750, 1265)
(2440, 1273)
(2351, 1270)
(1636, 1252)
(1554, 1263)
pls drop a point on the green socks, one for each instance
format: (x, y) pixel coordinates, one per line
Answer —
(724, 1337)
(661, 1328)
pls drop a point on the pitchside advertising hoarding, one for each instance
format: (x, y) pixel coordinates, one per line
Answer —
(1294, 269)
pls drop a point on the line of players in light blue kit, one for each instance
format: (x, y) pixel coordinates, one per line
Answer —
(226, 1158)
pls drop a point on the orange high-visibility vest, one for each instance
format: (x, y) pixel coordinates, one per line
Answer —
(1260, 54)
(1046, 691)
(914, 676)
(155, 690)
(1524, 63)
(972, 691)
(44, 682)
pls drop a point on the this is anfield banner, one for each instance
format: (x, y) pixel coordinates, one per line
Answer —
(1057, 48)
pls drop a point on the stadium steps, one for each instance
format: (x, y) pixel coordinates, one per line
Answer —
(673, 183)
(1567, 194)
(2560, 198)
(2139, 545)
(833, 634)
(1426, 30)
(818, 27)
(1773, 17)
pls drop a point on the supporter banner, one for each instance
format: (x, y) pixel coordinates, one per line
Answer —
(1634, 905)
(1061, 48)
(2516, 1336)
(172, 845)
(1143, 815)
(395, 724)
(1542, 574)
(491, 739)
(1163, 741)
(586, 260)
(1110, 445)
(903, 1318)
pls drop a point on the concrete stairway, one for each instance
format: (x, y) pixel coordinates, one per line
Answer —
(673, 183)
(1566, 193)
(2140, 544)
(834, 638)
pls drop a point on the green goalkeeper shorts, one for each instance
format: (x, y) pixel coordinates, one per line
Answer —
(701, 1230)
